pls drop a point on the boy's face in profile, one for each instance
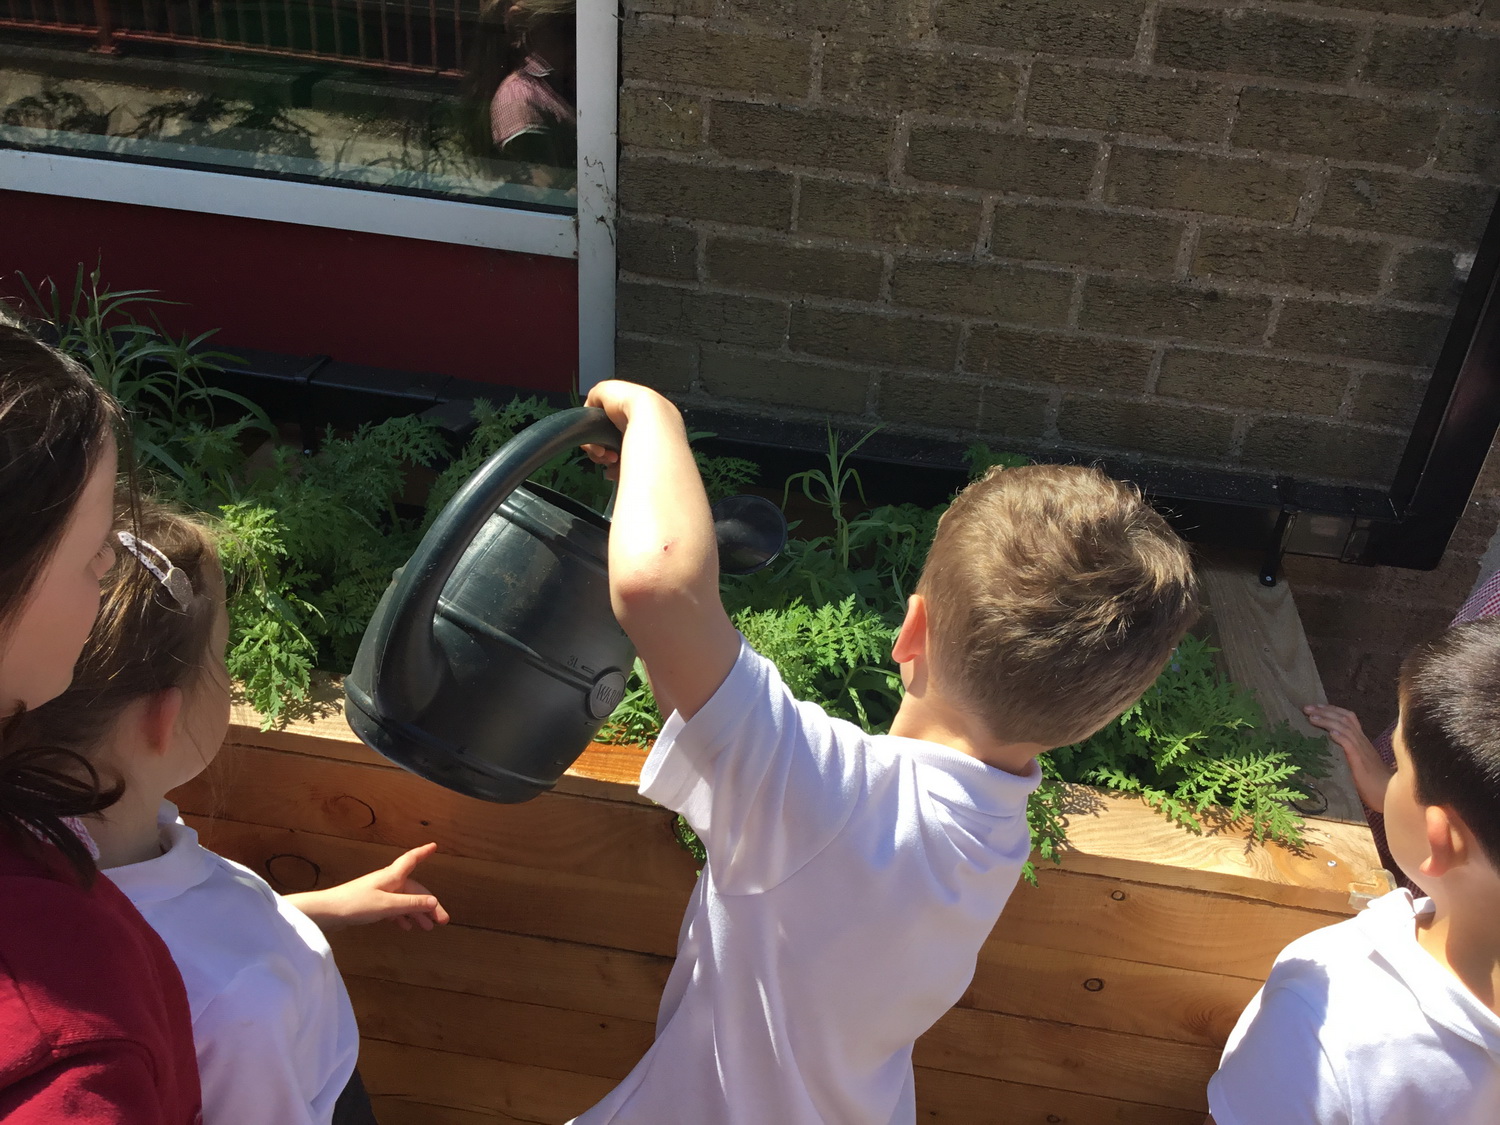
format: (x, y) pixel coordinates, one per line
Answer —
(1405, 816)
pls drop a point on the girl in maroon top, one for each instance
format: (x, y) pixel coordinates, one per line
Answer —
(94, 1025)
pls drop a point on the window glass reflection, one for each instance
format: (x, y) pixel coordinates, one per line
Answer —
(468, 99)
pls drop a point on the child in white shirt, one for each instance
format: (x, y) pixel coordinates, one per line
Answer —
(1391, 1017)
(851, 879)
(149, 706)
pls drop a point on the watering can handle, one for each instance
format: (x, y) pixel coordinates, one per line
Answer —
(407, 671)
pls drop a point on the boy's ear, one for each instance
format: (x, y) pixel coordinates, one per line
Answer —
(1448, 842)
(159, 720)
(911, 641)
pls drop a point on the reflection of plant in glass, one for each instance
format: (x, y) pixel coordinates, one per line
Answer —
(58, 110)
(250, 124)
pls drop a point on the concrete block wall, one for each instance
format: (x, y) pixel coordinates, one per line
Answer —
(1211, 234)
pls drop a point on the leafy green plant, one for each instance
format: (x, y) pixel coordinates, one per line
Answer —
(309, 542)
(1198, 748)
(158, 379)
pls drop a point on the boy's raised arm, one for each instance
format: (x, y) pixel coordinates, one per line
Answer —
(663, 562)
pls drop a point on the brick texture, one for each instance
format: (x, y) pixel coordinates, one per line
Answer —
(1326, 448)
(1387, 399)
(1101, 28)
(1427, 274)
(1311, 261)
(660, 119)
(1091, 364)
(783, 382)
(905, 79)
(1217, 185)
(1470, 144)
(1456, 62)
(1011, 162)
(695, 57)
(1150, 425)
(871, 214)
(656, 363)
(1251, 381)
(773, 266)
(693, 191)
(796, 136)
(1341, 128)
(1420, 207)
(991, 292)
(1253, 213)
(1183, 109)
(1272, 44)
(1225, 235)
(1085, 237)
(1165, 310)
(657, 249)
(904, 341)
(1363, 331)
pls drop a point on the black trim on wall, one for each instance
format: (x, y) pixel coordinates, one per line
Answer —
(1454, 427)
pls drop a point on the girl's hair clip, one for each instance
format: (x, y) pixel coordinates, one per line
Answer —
(155, 560)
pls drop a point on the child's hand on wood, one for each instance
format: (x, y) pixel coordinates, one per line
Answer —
(390, 892)
(1371, 774)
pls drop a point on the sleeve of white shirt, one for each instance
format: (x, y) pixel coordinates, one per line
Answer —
(249, 1054)
(764, 780)
(1275, 1069)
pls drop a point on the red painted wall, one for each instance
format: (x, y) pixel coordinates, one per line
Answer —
(486, 315)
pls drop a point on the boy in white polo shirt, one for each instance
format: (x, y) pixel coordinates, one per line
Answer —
(851, 879)
(1390, 1018)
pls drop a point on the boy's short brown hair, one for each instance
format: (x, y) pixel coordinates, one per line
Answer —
(1055, 596)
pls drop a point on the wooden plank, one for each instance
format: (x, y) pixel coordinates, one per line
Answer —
(1111, 834)
(1119, 835)
(1157, 925)
(318, 729)
(555, 832)
(581, 978)
(396, 1110)
(477, 892)
(526, 1093)
(533, 1034)
(1093, 990)
(945, 1097)
(1064, 1057)
(1265, 648)
(611, 772)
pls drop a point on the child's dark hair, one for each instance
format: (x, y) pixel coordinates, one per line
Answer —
(143, 642)
(1450, 724)
(55, 425)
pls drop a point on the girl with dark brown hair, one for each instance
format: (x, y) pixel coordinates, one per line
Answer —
(94, 1021)
(150, 706)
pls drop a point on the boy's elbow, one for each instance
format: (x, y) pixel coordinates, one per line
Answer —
(642, 597)
(648, 597)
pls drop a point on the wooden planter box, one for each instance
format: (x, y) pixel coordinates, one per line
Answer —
(1104, 995)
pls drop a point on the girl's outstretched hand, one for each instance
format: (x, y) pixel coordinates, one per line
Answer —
(1371, 774)
(390, 892)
